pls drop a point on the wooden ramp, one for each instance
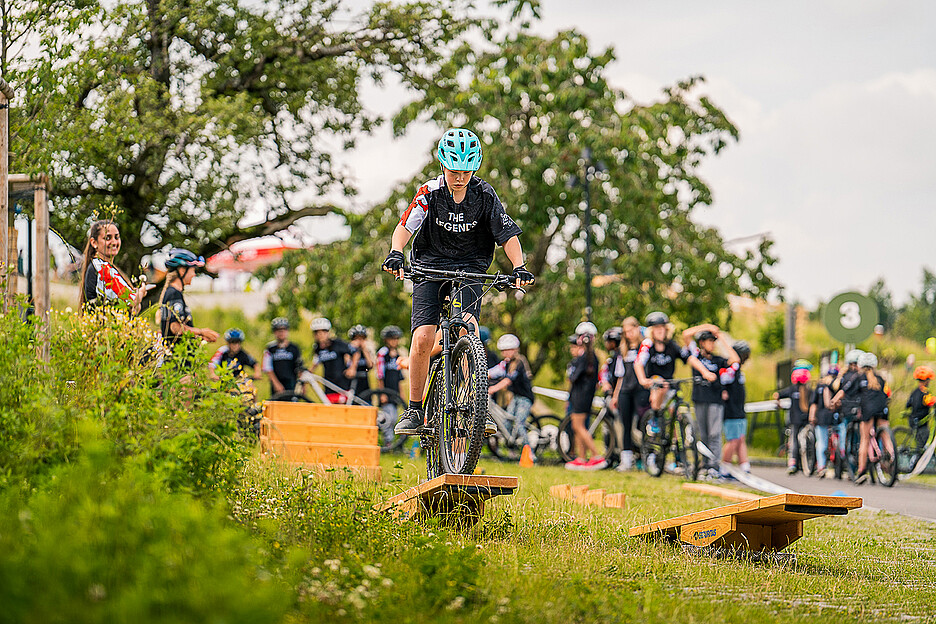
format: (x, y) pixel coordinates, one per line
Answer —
(766, 524)
(458, 498)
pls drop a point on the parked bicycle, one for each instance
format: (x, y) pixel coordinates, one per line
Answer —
(456, 399)
(670, 434)
(910, 444)
(882, 464)
(542, 434)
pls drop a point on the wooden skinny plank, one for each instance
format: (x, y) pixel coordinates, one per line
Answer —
(726, 493)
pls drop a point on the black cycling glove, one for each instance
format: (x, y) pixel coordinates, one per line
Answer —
(394, 261)
(521, 273)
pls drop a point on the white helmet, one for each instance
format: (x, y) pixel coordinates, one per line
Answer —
(853, 356)
(867, 360)
(320, 324)
(586, 327)
(508, 341)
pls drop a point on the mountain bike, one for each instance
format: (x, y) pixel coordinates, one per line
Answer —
(835, 455)
(456, 399)
(542, 433)
(807, 448)
(910, 444)
(670, 432)
(882, 463)
(600, 426)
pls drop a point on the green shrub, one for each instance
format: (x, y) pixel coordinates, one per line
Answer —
(104, 542)
(771, 334)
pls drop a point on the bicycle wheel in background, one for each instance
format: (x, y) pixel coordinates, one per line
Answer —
(461, 432)
(886, 466)
(807, 445)
(691, 458)
(435, 405)
(654, 443)
(389, 406)
(290, 396)
(603, 438)
(547, 439)
(908, 452)
(852, 444)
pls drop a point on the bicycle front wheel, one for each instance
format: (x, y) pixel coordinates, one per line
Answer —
(461, 429)
(886, 466)
(908, 453)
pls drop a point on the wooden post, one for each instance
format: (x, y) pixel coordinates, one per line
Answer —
(8, 272)
(41, 296)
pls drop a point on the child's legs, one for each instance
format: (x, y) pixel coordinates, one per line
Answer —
(793, 449)
(423, 339)
(822, 445)
(583, 439)
(865, 428)
(519, 410)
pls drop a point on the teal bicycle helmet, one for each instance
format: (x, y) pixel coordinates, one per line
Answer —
(179, 258)
(460, 150)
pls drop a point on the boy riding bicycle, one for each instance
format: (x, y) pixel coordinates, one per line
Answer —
(457, 219)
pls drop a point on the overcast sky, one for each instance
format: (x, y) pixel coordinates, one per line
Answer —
(835, 102)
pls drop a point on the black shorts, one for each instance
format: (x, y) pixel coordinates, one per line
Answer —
(428, 298)
(580, 401)
(865, 417)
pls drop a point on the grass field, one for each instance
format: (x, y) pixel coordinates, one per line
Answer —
(546, 560)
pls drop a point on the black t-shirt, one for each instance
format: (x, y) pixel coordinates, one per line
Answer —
(387, 368)
(450, 235)
(873, 402)
(625, 368)
(732, 380)
(920, 404)
(285, 362)
(237, 362)
(851, 393)
(824, 416)
(797, 415)
(518, 372)
(361, 380)
(174, 310)
(707, 391)
(334, 358)
(583, 373)
(661, 363)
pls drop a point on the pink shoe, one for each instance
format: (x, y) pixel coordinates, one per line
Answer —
(596, 463)
(576, 464)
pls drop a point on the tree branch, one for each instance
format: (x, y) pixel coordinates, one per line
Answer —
(275, 225)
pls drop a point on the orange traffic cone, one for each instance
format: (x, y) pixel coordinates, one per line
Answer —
(526, 457)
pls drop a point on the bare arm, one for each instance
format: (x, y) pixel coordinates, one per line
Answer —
(500, 385)
(699, 366)
(688, 334)
(733, 357)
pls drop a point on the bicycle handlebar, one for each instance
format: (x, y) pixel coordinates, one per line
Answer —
(500, 280)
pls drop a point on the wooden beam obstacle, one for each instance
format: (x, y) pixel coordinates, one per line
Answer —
(457, 498)
(583, 496)
(721, 492)
(322, 437)
(767, 524)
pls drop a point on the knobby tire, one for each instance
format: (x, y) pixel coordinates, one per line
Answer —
(464, 429)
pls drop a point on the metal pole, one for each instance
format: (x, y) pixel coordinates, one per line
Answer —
(586, 154)
(28, 264)
(6, 271)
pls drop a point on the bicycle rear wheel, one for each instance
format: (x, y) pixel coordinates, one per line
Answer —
(461, 431)
(547, 435)
(886, 466)
(807, 445)
(603, 437)
(389, 406)
(689, 452)
(852, 444)
(908, 453)
(291, 396)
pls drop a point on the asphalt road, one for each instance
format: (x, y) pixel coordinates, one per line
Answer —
(904, 498)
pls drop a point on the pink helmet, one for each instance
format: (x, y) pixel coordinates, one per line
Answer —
(800, 376)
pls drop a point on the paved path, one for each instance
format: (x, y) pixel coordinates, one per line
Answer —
(904, 498)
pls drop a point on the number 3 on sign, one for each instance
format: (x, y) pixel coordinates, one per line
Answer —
(851, 315)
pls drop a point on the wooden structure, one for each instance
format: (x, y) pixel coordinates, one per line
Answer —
(583, 496)
(726, 493)
(7, 270)
(457, 498)
(765, 524)
(322, 437)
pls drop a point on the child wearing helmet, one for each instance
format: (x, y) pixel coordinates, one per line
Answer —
(513, 374)
(389, 376)
(920, 403)
(825, 418)
(334, 356)
(362, 359)
(174, 316)
(583, 381)
(847, 399)
(800, 394)
(455, 220)
(282, 359)
(875, 395)
(233, 356)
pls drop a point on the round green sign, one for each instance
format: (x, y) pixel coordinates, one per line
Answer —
(850, 317)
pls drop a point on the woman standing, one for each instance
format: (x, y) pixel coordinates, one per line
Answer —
(583, 375)
(103, 283)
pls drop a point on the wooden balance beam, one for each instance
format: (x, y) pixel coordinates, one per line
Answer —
(766, 524)
(455, 497)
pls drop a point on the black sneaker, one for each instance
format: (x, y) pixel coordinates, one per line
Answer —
(490, 427)
(862, 478)
(411, 421)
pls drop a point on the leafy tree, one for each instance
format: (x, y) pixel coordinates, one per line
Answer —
(917, 318)
(536, 104)
(885, 302)
(771, 336)
(186, 114)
